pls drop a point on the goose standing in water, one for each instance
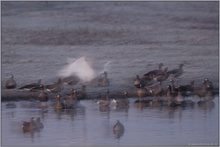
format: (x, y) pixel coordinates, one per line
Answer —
(43, 97)
(122, 102)
(118, 129)
(106, 102)
(29, 126)
(71, 100)
(59, 104)
(11, 83)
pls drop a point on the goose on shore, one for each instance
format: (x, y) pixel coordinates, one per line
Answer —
(177, 72)
(11, 83)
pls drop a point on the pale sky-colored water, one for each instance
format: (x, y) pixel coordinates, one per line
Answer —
(89, 125)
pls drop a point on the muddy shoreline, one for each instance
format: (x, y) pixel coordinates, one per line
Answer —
(134, 37)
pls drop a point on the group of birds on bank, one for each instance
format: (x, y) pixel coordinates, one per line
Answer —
(175, 96)
(66, 102)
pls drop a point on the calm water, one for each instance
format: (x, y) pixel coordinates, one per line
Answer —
(89, 125)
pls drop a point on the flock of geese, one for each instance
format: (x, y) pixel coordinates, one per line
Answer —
(149, 90)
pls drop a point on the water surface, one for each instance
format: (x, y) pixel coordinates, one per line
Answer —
(90, 125)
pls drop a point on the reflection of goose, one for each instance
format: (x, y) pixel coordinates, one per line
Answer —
(206, 105)
(118, 129)
(10, 105)
(38, 124)
(10, 83)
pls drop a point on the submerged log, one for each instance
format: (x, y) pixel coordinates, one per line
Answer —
(16, 95)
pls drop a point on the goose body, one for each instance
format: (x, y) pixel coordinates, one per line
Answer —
(32, 87)
(56, 87)
(153, 73)
(11, 83)
(28, 126)
(103, 80)
(177, 72)
(122, 102)
(105, 102)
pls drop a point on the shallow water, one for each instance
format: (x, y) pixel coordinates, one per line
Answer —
(89, 125)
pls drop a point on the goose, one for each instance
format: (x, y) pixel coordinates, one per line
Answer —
(162, 76)
(173, 88)
(71, 80)
(118, 126)
(106, 102)
(208, 84)
(118, 129)
(138, 81)
(81, 94)
(59, 103)
(156, 90)
(56, 87)
(152, 73)
(177, 72)
(43, 96)
(71, 101)
(122, 102)
(33, 87)
(28, 126)
(141, 92)
(103, 80)
(187, 89)
(11, 83)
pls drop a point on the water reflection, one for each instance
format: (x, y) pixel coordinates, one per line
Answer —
(209, 105)
(80, 110)
(90, 124)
